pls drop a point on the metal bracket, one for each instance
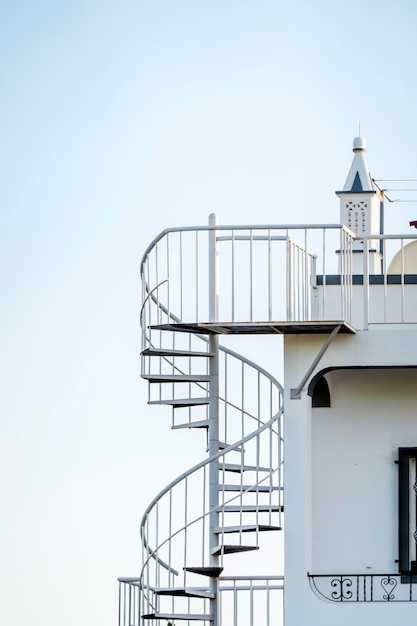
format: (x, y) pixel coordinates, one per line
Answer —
(295, 394)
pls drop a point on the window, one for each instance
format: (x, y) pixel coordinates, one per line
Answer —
(407, 512)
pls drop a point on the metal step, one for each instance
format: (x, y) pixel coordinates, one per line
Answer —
(250, 488)
(229, 549)
(252, 508)
(179, 616)
(176, 378)
(200, 424)
(213, 572)
(177, 403)
(247, 528)
(223, 445)
(237, 467)
(173, 352)
(191, 592)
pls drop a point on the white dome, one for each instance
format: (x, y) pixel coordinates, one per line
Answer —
(405, 261)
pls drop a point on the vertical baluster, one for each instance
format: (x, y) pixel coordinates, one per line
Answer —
(233, 276)
(157, 567)
(129, 604)
(300, 285)
(349, 275)
(280, 459)
(242, 434)
(203, 542)
(147, 337)
(197, 271)
(323, 272)
(269, 277)
(159, 312)
(344, 280)
(402, 279)
(226, 396)
(168, 281)
(306, 281)
(365, 287)
(342, 272)
(181, 280)
(120, 604)
(185, 519)
(135, 603)
(271, 468)
(384, 243)
(170, 574)
(313, 288)
(268, 603)
(251, 604)
(289, 277)
(251, 274)
(235, 605)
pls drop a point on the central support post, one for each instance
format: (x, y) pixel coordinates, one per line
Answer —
(213, 430)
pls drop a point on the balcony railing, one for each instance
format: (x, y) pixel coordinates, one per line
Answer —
(364, 587)
(264, 273)
(283, 273)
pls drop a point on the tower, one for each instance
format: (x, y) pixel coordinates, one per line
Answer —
(361, 209)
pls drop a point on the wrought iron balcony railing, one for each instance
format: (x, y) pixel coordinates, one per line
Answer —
(364, 587)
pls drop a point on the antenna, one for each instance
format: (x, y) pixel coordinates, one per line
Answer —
(359, 129)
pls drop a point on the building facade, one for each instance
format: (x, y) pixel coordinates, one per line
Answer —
(344, 298)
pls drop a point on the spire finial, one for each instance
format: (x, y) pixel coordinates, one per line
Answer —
(359, 144)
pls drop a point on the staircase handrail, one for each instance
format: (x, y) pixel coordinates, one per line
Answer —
(219, 227)
(188, 473)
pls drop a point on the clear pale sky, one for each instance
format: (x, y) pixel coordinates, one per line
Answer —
(119, 119)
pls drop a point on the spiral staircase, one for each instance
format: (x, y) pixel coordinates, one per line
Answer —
(199, 531)
(222, 505)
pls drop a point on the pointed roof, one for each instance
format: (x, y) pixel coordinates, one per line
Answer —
(359, 179)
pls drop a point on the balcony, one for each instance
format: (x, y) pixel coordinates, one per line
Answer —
(277, 279)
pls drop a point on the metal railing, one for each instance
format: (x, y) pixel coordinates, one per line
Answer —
(282, 273)
(244, 601)
(390, 296)
(266, 272)
(364, 587)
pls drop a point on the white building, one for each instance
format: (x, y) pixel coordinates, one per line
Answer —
(344, 297)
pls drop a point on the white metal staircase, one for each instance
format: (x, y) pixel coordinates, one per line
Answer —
(225, 503)
(220, 506)
(199, 283)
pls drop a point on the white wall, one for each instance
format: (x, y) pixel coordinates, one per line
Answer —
(354, 476)
(393, 304)
(340, 475)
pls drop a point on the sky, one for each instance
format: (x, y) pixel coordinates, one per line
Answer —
(117, 120)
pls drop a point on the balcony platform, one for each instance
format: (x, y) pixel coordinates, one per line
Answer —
(314, 327)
